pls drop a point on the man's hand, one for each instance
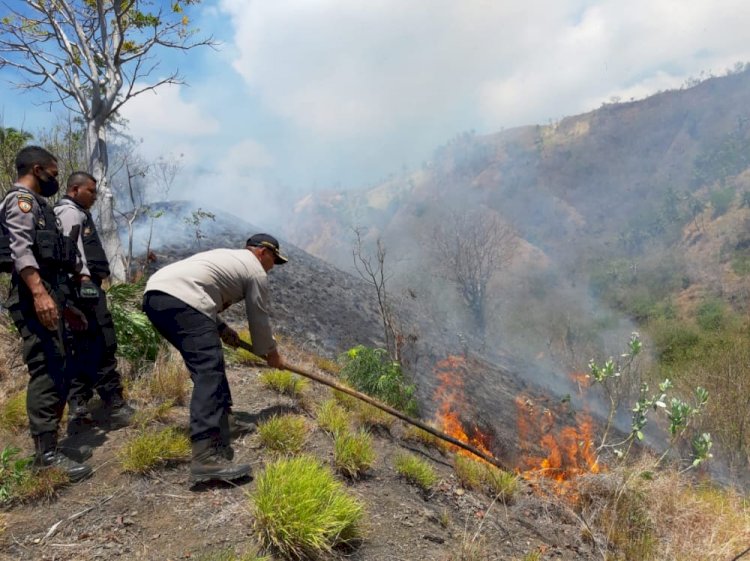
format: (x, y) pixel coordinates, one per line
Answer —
(230, 337)
(274, 360)
(75, 318)
(44, 305)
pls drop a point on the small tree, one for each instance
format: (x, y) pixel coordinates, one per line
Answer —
(470, 249)
(195, 220)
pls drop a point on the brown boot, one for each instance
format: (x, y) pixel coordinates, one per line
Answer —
(211, 464)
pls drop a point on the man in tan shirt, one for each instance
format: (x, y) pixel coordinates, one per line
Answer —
(183, 301)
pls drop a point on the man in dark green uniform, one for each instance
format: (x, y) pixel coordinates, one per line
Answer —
(93, 365)
(40, 259)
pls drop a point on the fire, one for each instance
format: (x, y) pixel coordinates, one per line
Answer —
(450, 398)
(553, 449)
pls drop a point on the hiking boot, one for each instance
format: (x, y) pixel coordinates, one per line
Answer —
(79, 416)
(48, 456)
(239, 427)
(120, 413)
(210, 463)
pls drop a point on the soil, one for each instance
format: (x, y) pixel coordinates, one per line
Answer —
(114, 515)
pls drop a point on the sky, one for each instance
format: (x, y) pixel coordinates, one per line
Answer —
(316, 94)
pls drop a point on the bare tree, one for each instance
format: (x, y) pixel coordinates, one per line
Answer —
(470, 249)
(94, 56)
(371, 269)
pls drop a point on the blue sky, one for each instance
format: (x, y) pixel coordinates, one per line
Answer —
(310, 94)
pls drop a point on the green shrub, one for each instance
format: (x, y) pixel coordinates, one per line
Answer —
(136, 337)
(301, 510)
(332, 417)
(721, 200)
(674, 341)
(284, 382)
(711, 315)
(416, 471)
(13, 415)
(153, 448)
(372, 371)
(353, 454)
(284, 433)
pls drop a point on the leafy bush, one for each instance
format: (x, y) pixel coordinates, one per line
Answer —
(332, 417)
(353, 454)
(284, 382)
(371, 371)
(416, 471)
(301, 510)
(137, 340)
(285, 433)
(154, 448)
(711, 315)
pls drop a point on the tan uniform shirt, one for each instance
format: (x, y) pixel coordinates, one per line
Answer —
(70, 215)
(212, 281)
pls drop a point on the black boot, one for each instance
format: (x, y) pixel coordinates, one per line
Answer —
(79, 416)
(225, 437)
(48, 456)
(240, 427)
(210, 464)
(119, 412)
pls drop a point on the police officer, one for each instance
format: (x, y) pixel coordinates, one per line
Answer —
(183, 301)
(40, 259)
(93, 365)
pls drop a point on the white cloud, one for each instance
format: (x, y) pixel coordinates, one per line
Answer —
(344, 69)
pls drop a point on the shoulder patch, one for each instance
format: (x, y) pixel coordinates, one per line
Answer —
(25, 202)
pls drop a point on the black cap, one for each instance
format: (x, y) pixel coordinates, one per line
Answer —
(265, 240)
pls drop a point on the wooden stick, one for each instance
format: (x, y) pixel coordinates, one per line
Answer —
(388, 409)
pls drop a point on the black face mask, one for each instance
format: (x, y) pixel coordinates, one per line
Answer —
(48, 186)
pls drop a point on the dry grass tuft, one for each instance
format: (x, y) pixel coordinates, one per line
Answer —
(284, 382)
(470, 472)
(41, 485)
(241, 356)
(415, 434)
(332, 417)
(153, 414)
(229, 555)
(502, 485)
(370, 417)
(169, 379)
(13, 413)
(284, 433)
(153, 448)
(326, 364)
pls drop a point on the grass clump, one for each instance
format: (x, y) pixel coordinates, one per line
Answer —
(284, 382)
(353, 454)
(302, 511)
(242, 356)
(370, 417)
(169, 379)
(13, 412)
(326, 364)
(332, 417)
(416, 471)
(415, 434)
(20, 483)
(283, 433)
(470, 473)
(147, 415)
(502, 485)
(229, 555)
(154, 448)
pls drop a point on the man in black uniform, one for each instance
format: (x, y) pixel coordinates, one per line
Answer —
(93, 365)
(40, 259)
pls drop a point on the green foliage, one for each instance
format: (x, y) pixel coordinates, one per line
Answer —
(332, 417)
(674, 341)
(13, 412)
(284, 382)
(503, 485)
(137, 340)
(153, 448)
(302, 511)
(371, 371)
(721, 200)
(353, 454)
(724, 159)
(711, 315)
(469, 472)
(13, 471)
(416, 471)
(284, 433)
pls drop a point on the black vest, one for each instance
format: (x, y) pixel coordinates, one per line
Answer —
(54, 252)
(96, 258)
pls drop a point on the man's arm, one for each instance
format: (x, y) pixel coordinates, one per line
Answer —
(256, 307)
(70, 217)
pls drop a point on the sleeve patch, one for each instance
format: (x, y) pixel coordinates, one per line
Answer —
(25, 203)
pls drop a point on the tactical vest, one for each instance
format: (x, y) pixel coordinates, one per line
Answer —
(54, 252)
(96, 258)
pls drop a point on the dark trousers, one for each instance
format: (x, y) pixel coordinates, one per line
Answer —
(44, 355)
(196, 336)
(93, 365)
